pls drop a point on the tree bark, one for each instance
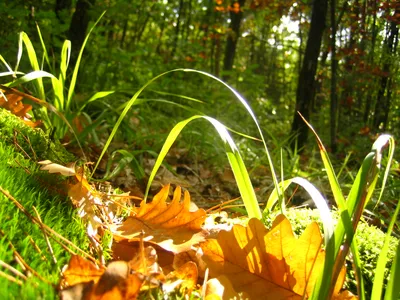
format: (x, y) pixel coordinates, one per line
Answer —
(306, 84)
(79, 24)
(334, 66)
(177, 29)
(383, 100)
(233, 36)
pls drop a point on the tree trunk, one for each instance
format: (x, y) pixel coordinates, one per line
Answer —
(334, 65)
(306, 84)
(79, 24)
(383, 100)
(177, 29)
(233, 36)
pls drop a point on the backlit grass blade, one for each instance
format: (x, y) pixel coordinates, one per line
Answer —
(77, 65)
(29, 77)
(316, 196)
(380, 266)
(393, 286)
(325, 283)
(23, 38)
(234, 157)
(251, 113)
(6, 64)
(45, 54)
(179, 96)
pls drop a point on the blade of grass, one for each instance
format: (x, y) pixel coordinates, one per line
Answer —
(23, 38)
(238, 96)
(45, 54)
(393, 286)
(77, 65)
(316, 196)
(29, 77)
(239, 170)
(377, 288)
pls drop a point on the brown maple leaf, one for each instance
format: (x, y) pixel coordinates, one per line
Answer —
(268, 264)
(171, 225)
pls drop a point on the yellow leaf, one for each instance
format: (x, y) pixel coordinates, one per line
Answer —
(268, 264)
(172, 225)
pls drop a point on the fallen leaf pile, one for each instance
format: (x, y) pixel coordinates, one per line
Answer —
(164, 245)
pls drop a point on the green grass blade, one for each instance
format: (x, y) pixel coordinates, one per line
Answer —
(45, 54)
(377, 288)
(381, 142)
(23, 38)
(179, 96)
(12, 73)
(65, 57)
(77, 65)
(316, 196)
(6, 64)
(29, 77)
(234, 157)
(251, 113)
(393, 286)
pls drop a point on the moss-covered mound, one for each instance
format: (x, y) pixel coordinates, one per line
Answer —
(21, 177)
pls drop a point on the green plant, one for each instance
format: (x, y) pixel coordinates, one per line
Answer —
(56, 101)
(369, 240)
(339, 240)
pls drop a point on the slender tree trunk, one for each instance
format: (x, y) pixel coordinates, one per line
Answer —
(177, 29)
(233, 36)
(79, 24)
(124, 30)
(334, 65)
(383, 100)
(306, 84)
(371, 56)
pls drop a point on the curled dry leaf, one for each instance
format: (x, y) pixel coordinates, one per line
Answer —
(268, 264)
(172, 225)
(51, 167)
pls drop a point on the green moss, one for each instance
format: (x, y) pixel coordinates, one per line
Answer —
(34, 141)
(369, 239)
(32, 187)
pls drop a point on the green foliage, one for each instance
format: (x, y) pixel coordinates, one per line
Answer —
(28, 185)
(33, 141)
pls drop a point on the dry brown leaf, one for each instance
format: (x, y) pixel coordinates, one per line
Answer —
(185, 277)
(194, 256)
(80, 270)
(172, 225)
(13, 103)
(264, 263)
(51, 167)
(121, 280)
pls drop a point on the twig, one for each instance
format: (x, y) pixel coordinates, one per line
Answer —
(9, 277)
(36, 246)
(47, 228)
(21, 260)
(12, 269)
(45, 236)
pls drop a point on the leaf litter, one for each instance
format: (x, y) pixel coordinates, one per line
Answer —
(169, 246)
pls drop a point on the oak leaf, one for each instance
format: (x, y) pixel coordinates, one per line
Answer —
(172, 225)
(13, 103)
(270, 264)
(80, 270)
